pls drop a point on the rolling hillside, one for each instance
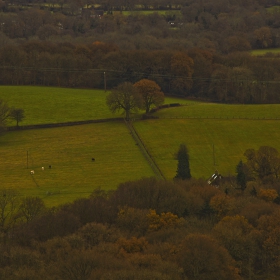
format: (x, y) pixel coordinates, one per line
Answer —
(216, 135)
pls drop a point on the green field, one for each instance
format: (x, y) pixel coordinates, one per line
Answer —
(217, 135)
(262, 52)
(273, 9)
(212, 110)
(69, 151)
(54, 105)
(228, 138)
(149, 12)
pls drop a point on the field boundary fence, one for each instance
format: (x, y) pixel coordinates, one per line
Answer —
(144, 150)
(52, 125)
(225, 118)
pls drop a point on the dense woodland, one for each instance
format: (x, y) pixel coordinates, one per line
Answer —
(146, 229)
(151, 229)
(199, 50)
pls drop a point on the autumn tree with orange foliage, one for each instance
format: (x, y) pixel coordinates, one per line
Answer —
(132, 245)
(164, 220)
(268, 194)
(150, 92)
(221, 204)
(182, 71)
(263, 37)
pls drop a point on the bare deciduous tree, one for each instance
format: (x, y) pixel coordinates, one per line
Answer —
(17, 114)
(263, 163)
(31, 207)
(125, 98)
(8, 209)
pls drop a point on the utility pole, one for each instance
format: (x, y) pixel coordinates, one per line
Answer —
(214, 161)
(105, 86)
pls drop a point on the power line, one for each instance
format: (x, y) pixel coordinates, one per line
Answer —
(134, 73)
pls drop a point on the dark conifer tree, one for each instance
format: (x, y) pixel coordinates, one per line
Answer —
(241, 176)
(183, 167)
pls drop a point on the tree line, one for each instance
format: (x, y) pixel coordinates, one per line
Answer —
(202, 54)
(198, 73)
(150, 229)
(128, 98)
(146, 229)
(225, 26)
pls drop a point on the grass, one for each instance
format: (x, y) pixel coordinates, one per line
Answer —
(230, 139)
(213, 110)
(182, 101)
(262, 52)
(54, 105)
(217, 135)
(149, 12)
(69, 150)
(273, 9)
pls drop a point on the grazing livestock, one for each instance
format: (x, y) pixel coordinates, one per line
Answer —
(43, 168)
(32, 172)
(93, 159)
(50, 166)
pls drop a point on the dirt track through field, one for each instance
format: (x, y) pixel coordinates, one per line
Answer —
(144, 151)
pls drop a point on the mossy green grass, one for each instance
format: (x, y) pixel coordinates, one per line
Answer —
(69, 152)
(217, 136)
(263, 52)
(214, 110)
(214, 144)
(273, 9)
(148, 12)
(53, 105)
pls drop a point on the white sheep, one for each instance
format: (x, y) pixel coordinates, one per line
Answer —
(32, 172)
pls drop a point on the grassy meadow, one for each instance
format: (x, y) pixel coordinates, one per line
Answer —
(69, 151)
(213, 110)
(273, 9)
(262, 52)
(149, 12)
(216, 135)
(214, 144)
(54, 105)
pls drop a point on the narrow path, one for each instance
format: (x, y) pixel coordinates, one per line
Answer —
(129, 125)
(144, 151)
(32, 176)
